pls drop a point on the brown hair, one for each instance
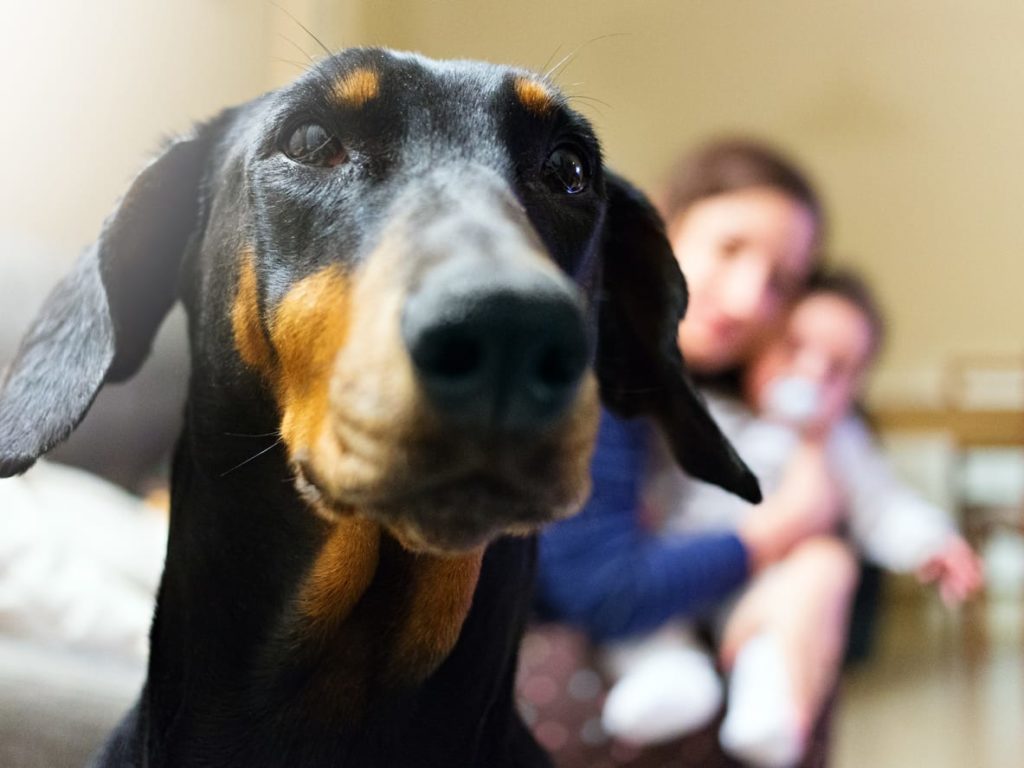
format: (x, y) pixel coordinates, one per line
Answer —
(731, 165)
(850, 285)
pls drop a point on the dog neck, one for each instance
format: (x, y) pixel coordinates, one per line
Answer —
(269, 612)
(377, 617)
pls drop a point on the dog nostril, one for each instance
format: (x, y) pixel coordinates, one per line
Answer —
(557, 368)
(451, 359)
(454, 357)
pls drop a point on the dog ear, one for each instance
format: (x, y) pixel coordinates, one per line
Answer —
(639, 367)
(99, 321)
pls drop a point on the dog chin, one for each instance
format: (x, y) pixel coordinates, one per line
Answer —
(457, 517)
(467, 516)
(418, 538)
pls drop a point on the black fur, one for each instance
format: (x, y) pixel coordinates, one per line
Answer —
(227, 685)
(639, 365)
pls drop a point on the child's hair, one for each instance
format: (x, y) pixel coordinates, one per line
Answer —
(851, 286)
(732, 165)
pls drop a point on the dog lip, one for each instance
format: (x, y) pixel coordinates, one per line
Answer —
(473, 504)
(467, 482)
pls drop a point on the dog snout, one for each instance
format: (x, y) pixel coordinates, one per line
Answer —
(497, 351)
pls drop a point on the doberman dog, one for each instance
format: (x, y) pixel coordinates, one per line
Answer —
(419, 276)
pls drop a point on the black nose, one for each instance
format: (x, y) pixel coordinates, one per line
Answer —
(497, 354)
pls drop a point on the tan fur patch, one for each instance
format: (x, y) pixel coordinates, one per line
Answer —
(343, 571)
(441, 593)
(357, 87)
(579, 442)
(409, 619)
(377, 408)
(534, 95)
(245, 318)
(310, 327)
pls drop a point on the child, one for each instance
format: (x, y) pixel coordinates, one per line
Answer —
(801, 387)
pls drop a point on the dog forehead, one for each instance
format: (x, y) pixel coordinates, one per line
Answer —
(414, 71)
(464, 73)
(440, 96)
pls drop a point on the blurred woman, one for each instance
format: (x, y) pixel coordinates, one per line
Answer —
(745, 226)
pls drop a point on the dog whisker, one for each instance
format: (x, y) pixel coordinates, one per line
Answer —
(297, 64)
(552, 74)
(591, 100)
(587, 104)
(253, 457)
(312, 67)
(297, 47)
(304, 28)
(554, 53)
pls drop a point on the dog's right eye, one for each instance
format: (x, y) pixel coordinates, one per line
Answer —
(312, 144)
(566, 171)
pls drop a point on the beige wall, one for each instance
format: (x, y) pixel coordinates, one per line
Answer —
(910, 115)
(90, 88)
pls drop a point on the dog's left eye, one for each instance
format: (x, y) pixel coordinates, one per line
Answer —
(566, 171)
(312, 144)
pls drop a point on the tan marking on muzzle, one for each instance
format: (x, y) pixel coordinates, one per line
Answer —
(534, 95)
(579, 441)
(250, 341)
(357, 87)
(310, 328)
(377, 408)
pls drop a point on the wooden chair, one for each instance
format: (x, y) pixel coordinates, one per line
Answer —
(982, 407)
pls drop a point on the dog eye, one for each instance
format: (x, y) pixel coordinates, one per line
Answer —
(566, 171)
(312, 144)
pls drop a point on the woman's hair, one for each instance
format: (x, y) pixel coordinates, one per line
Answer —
(732, 165)
(849, 285)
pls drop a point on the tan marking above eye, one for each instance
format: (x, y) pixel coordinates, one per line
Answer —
(357, 87)
(534, 95)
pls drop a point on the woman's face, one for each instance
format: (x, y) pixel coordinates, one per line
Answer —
(744, 255)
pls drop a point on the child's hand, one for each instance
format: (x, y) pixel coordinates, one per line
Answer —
(956, 570)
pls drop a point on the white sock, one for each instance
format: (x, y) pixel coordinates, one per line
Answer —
(761, 725)
(671, 692)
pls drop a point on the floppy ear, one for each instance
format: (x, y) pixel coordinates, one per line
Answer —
(99, 321)
(640, 369)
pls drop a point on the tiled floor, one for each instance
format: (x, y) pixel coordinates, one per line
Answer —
(943, 690)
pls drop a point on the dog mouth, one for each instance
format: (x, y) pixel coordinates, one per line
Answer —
(452, 511)
(442, 487)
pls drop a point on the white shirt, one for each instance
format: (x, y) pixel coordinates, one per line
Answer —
(890, 523)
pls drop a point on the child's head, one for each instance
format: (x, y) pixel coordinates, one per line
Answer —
(744, 224)
(813, 371)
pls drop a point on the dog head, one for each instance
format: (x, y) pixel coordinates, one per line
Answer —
(421, 269)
